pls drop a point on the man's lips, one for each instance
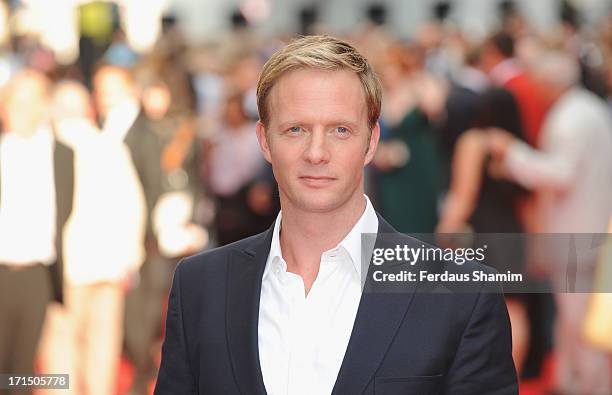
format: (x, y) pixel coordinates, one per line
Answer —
(316, 181)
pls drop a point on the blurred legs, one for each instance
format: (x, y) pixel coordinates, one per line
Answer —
(581, 368)
(24, 294)
(84, 338)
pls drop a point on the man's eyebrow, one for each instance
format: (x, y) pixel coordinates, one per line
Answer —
(286, 124)
(337, 122)
(346, 122)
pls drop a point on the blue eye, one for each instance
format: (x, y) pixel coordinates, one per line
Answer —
(342, 130)
(295, 129)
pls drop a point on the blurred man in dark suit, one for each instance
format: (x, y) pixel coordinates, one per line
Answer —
(36, 193)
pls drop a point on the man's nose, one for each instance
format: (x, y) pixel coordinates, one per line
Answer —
(317, 151)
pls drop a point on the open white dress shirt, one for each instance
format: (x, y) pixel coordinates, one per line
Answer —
(302, 339)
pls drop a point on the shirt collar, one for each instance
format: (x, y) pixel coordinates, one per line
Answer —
(367, 223)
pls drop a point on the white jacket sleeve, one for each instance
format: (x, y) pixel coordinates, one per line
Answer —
(554, 167)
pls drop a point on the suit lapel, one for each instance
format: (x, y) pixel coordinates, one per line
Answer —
(379, 317)
(244, 289)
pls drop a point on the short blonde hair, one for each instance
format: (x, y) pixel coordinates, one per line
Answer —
(321, 53)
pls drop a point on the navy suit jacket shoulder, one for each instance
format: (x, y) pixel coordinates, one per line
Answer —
(402, 343)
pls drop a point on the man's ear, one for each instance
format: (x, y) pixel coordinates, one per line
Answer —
(372, 144)
(260, 129)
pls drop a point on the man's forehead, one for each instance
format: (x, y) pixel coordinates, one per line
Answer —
(322, 94)
(309, 76)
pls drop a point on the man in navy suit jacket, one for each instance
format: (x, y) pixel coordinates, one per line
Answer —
(290, 311)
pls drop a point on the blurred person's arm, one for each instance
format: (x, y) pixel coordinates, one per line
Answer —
(175, 374)
(468, 162)
(153, 172)
(178, 149)
(394, 152)
(553, 169)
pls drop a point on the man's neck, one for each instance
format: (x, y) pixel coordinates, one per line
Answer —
(305, 235)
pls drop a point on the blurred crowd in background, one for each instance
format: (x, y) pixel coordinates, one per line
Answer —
(135, 147)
